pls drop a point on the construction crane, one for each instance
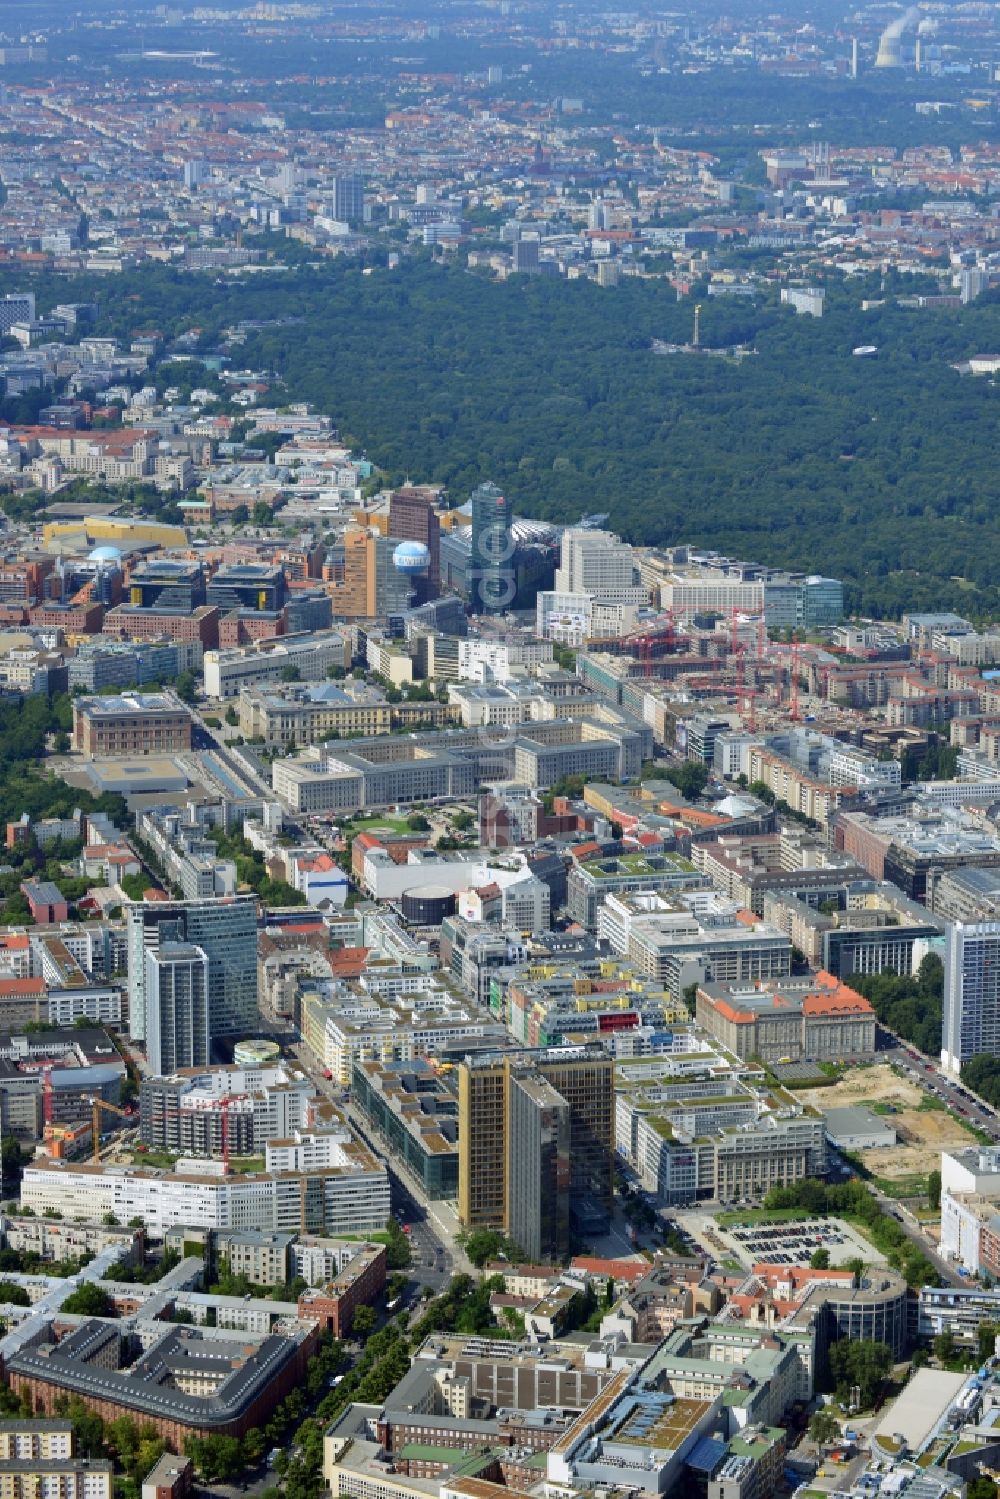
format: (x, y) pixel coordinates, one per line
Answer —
(208, 1106)
(47, 1092)
(97, 1104)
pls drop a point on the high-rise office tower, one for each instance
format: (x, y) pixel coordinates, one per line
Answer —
(412, 517)
(225, 930)
(177, 1021)
(971, 992)
(349, 197)
(597, 215)
(536, 1143)
(525, 256)
(492, 574)
(538, 1167)
(373, 587)
(973, 281)
(16, 307)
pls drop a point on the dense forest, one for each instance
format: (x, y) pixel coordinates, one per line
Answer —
(881, 471)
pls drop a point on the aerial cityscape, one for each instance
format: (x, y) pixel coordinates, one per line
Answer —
(499, 750)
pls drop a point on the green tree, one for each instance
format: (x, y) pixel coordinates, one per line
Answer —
(986, 1336)
(398, 1252)
(860, 1364)
(944, 1346)
(88, 1300)
(483, 1244)
(88, 1428)
(824, 1428)
(185, 686)
(820, 1259)
(690, 776)
(934, 1188)
(217, 1458)
(363, 1322)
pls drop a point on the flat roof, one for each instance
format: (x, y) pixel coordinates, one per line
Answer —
(916, 1411)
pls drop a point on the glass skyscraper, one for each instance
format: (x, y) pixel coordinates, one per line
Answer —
(492, 575)
(226, 932)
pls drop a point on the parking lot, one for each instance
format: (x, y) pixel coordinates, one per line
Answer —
(794, 1243)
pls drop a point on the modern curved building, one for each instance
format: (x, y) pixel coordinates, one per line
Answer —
(876, 1311)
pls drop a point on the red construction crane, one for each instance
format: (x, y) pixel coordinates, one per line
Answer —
(224, 1106)
(208, 1105)
(47, 1092)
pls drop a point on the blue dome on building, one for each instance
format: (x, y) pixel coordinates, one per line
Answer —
(105, 554)
(411, 557)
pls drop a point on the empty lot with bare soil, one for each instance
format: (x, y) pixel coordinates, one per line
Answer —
(922, 1132)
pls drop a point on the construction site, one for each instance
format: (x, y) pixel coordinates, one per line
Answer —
(884, 697)
(57, 1086)
(922, 1130)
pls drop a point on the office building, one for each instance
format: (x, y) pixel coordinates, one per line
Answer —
(538, 1168)
(703, 1135)
(226, 932)
(184, 1381)
(16, 307)
(492, 580)
(360, 1282)
(412, 517)
(349, 198)
(177, 587)
(136, 724)
(967, 894)
(971, 992)
(248, 585)
(176, 983)
(188, 1111)
(973, 281)
(970, 1197)
(687, 939)
(497, 1130)
(299, 714)
(525, 260)
(413, 1106)
(380, 771)
(339, 1189)
(818, 1018)
(590, 883)
(373, 587)
(311, 656)
(597, 562)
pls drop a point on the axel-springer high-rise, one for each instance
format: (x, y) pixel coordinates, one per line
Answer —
(492, 580)
(225, 931)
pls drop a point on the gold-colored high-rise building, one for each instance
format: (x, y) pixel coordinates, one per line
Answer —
(535, 1134)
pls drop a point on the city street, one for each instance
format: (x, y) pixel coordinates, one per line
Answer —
(937, 1083)
(433, 1225)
